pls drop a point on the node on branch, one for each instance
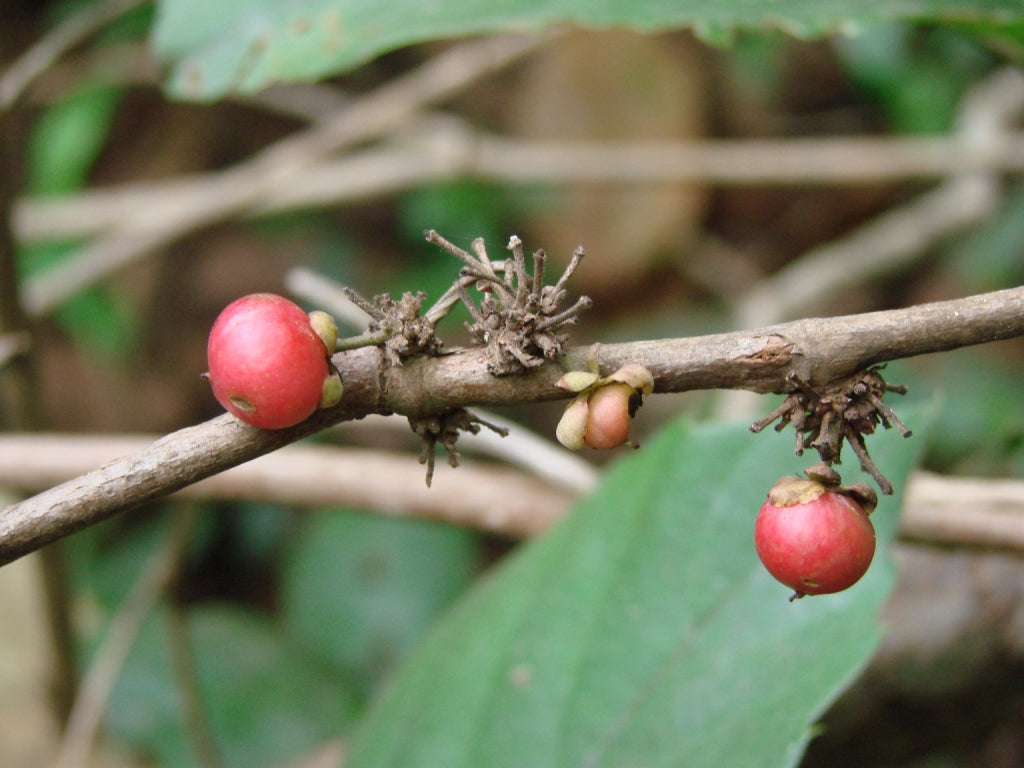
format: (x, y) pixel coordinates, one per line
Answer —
(843, 410)
(518, 318)
(444, 428)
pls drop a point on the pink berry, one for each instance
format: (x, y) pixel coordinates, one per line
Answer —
(813, 539)
(608, 416)
(267, 364)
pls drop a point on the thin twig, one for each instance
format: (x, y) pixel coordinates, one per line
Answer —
(984, 512)
(279, 165)
(319, 291)
(98, 684)
(397, 167)
(896, 239)
(570, 315)
(194, 717)
(455, 293)
(887, 243)
(368, 339)
(48, 49)
(317, 475)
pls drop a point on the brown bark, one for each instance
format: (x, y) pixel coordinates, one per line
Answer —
(817, 350)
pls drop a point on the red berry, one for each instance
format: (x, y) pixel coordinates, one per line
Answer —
(608, 416)
(267, 364)
(813, 539)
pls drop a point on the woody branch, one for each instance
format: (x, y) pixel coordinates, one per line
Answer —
(764, 360)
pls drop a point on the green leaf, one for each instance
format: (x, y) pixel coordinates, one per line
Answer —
(643, 630)
(917, 75)
(243, 45)
(358, 590)
(64, 144)
(67, 138)
(264, 703)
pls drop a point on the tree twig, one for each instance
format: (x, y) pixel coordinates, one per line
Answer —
(446, 148)
(240, 187)
(297, 172)
(817, 350)
(186, 675)
(982, 512)
(398, 166)
(41, 56)
(316, 475)
(96, 688)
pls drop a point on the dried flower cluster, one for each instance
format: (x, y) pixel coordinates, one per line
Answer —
(846, 410)
(398, 325)
(519, 318)
(444, 428)
(518, 322)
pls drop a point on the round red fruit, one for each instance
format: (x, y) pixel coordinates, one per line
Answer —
(266, 363)
(813, 539)
(608, 416)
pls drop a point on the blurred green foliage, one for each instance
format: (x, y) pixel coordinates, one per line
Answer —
(213, 49)
(358, 591)
(641, 630)
(916, 75)
(263, 701)
(65, 142)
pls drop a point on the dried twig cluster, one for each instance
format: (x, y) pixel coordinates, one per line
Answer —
(397, 325)
(519, 318)
(846, 410)
(444, 428)
(518, 321)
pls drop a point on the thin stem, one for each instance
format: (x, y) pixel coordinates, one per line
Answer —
(888, 412)
(449, 299)
(98, 684)
(574, 262)
(475, 265)
(519, 262)
(570, 315)
(856, 441)
(368, 339)
(197, 725)
(41, 56)
(480, 249)
(539, 260)
(371, 309)
(463, 295)
(245, 185)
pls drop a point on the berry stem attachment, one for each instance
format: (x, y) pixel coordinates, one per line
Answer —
(843, 410)
(368, 339)
(445, 428)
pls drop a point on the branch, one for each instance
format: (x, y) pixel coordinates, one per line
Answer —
(280, 165)
(91, 703)
(890, 242)
(41, 56)
(317, 475)
(449, 155)
(982, 512)
(817, 350)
